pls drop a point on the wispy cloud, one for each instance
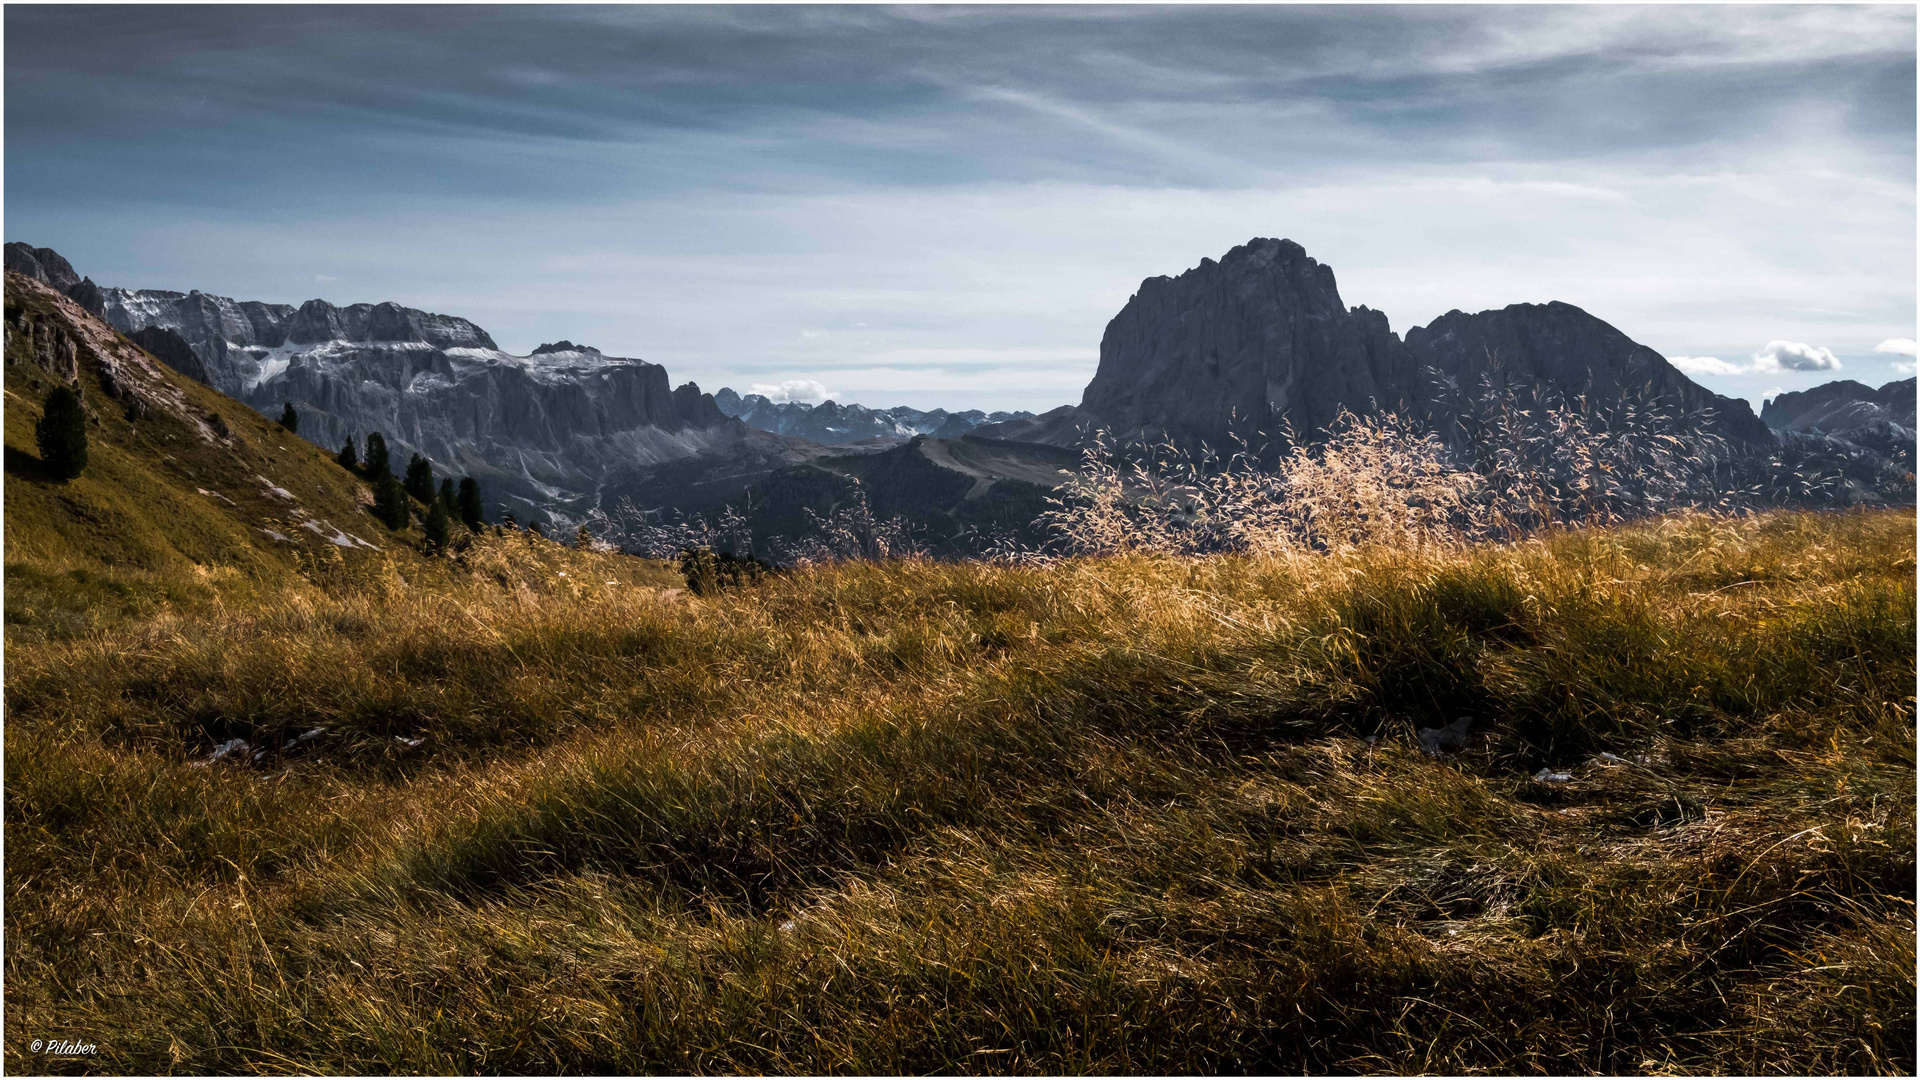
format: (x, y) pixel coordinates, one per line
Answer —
(954, 201)
(1706, 365)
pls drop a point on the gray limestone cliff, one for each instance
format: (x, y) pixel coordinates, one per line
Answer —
(551, 435)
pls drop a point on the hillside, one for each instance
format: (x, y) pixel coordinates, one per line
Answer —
(184, 487)
(1133, 815)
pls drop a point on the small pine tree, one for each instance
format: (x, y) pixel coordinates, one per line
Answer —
(290, 419)
(377, 464)
(349, 458)
(420, 478)
(390, 503)
(446, 493)
(469, 503)
(436, 525)
(62, 433)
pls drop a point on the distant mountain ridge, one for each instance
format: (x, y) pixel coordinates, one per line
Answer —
(562, 431)
(837, 425)
(1842, 406)
(1261, 339)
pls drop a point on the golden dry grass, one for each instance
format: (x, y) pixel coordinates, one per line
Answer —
(1114, 815)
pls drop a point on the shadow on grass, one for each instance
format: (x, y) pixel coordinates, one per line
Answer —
(28, 467)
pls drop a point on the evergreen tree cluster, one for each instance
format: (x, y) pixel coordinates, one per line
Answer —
(393, 497)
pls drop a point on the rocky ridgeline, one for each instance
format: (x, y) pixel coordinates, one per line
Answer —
(1844, 408)
(839, 425)
(554, 431)
(1262, 339)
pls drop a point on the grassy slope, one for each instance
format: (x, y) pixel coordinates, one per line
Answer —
(1112, 815)
(168, 510)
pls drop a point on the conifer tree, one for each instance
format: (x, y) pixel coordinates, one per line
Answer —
(62, 434)
(290, 419)
(469, 503)
(349, 458)
(436, 525)
(420, 478)
(390, 503)
(377, 464)
(446, 493)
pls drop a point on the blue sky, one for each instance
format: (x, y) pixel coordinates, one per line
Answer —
(944, 206)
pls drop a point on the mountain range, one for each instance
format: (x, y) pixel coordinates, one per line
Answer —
(1255, 344)
(839, 425)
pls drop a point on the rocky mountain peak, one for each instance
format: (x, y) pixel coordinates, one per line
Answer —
(41, 264)
(1239, 347)
(1261, 341)
(563, 346)
(1575, 353)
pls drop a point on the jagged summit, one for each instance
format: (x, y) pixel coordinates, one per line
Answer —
(563, 346)
(1241, 346)
(1261, 340)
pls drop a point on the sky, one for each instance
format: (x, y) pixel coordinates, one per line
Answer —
(944, 206)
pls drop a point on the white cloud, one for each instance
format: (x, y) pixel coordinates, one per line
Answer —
(807, 390)
(1903, 367)
(1705, 365)
(1794, 356)
(1773, 392)
(1899, 346)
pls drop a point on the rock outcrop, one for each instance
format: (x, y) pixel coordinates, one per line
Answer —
(172, 350)
(47, 267)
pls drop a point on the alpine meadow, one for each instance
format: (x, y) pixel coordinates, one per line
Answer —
(1501, 694)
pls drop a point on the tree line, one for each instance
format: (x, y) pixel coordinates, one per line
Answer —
(393, 496)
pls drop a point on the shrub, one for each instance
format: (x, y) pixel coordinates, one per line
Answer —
(62, 434)
(290, 419)
(349, 458)
(708, 572)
